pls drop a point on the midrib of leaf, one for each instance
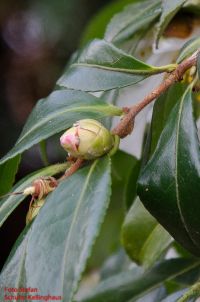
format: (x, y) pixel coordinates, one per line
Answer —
(189, 49)
(176, 167)
(124, 70)
(139, 15)
(147, 240)
(21, 265)
(72, 224)
(96, 108)
(168, 278)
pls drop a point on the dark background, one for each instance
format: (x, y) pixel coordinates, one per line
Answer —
(37, 38)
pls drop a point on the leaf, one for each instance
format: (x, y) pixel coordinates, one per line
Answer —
(188, 278)
(154, 295)
(169, 10)
(61, 237)
(8, 204)
(127, 285)
(175, 296)
(56, 113)
(161, 111)
(169, 183)
(125, 171)
(102, 66)
(192, 6)
(43, 152)
(188, 49)
(13, 265)
(7, 174)
(198, 65)
(96, 27)
(142, 237)
(134, 17)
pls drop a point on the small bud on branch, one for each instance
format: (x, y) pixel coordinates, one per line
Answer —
(87, 139)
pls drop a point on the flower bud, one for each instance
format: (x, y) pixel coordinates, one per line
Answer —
(34, 210)
(87, 139)
(41, 187)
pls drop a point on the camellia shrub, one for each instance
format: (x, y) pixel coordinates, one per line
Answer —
(133, 216)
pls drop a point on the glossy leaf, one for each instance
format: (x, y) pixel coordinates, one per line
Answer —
(188, 49)
(8, 204)
(7, 174)
(143, 238)
(169, 10)
(169, 183)
(133, 18)
(102, 66)
(62, 235)
(129, 286)
(161, 111)
(56, 113)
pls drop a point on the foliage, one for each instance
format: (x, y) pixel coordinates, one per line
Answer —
(53, 251)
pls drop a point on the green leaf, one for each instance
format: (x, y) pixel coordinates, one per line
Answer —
(188, 49)
(43, 152)
(97, 25)
(127, 285)
(58, 112)
(161, 111)
(175, 296)
(192, 6)
(143, 238)
(198, 65)
(7, 174)
(61, 237)
(102, 66)
(8, 204)
(169, 10)
(125, 171)
(169, 183)
(134, 17)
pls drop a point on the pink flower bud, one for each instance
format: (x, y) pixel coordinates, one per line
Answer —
(87, 139)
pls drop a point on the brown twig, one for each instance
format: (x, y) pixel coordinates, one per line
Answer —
(74, 167)
(125, 126)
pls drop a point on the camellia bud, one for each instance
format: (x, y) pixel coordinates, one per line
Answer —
(87, 139)
(34, 210)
